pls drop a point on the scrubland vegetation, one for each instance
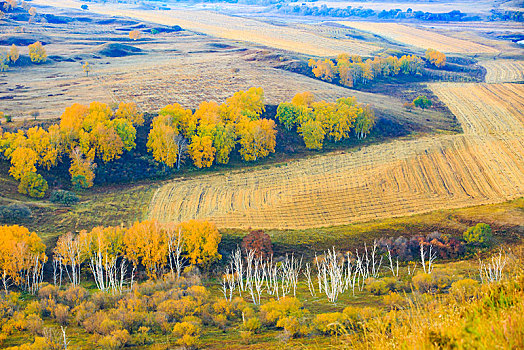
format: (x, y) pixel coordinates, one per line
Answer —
(167, 285)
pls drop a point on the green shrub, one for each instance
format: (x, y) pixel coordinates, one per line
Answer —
(478, 235)
(422, 101)
(14, 213)
(33, 184)
(63, 197)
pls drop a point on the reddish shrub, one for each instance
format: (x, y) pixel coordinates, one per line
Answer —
(260, 242)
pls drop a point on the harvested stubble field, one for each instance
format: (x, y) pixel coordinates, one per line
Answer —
(234, 28)
(484, 165)
(503, 71)
(424, 39)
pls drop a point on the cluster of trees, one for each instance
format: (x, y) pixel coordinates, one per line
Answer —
(421, 101)
(85, 134)
(436, 58)
(22, 258)
(213, 131)
(352, 70)
(316, 121)
(37, 54)
(10, 5)
(325, 11)
(108, 252)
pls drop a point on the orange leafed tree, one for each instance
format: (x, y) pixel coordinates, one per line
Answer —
(438, 59)
(22, 256)
(135, 34)
(201, 239)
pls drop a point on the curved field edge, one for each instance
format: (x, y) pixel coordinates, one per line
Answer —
(484, 165)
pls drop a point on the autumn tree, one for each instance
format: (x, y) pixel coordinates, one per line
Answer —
(224, 141)
(86, 67)
(33, 185)
(32, 11)
(130, 112)
(13, 54)
(202, 151)
(135, 34)
(201, 239)
(259, 242)
(364, 122)
(323, 69)
(68, 256)
(250, 104)
(313, 134)
(146, 243)
(81, 169)
(436, 58)
(37, 52)
(257, 138)
(22, 257)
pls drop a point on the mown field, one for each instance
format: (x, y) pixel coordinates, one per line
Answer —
(420, 38)
(503, 71)
(235, 28)
(485, 165)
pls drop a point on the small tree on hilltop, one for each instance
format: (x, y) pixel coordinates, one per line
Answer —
(37, 52)
(135, 34)
(259, 242)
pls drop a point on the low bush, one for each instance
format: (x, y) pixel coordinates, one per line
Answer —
(479, 235)
(63, 197)
(14, 213)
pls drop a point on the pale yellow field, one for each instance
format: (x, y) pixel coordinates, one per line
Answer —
(424, 39)
(234, 28)
(503, 71)
(484, 165)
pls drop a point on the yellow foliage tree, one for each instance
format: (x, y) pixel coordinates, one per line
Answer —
(146, 243)
(257, 138)
(23, 161)
(22, 255)
(201, 239)
(13, 54)
(438, 59)
(312, 133)
(161, 141)
(81, 170)
(323, 69)
(250, 103)
(202, 151)
(303, 99)
(37, 52)
(130, 112)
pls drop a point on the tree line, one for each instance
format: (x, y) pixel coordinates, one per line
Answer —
(354, 70)
(213, 131)
(98, 133)
(85, 133)
(112, 255)
(317, 121)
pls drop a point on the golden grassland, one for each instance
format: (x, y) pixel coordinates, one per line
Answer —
(503, 70)
(234, 28)
(424, 39)
(484, 165)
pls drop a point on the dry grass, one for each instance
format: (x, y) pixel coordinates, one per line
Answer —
(234, 28)
(503, 71)
(424, 39)
(485, 165)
